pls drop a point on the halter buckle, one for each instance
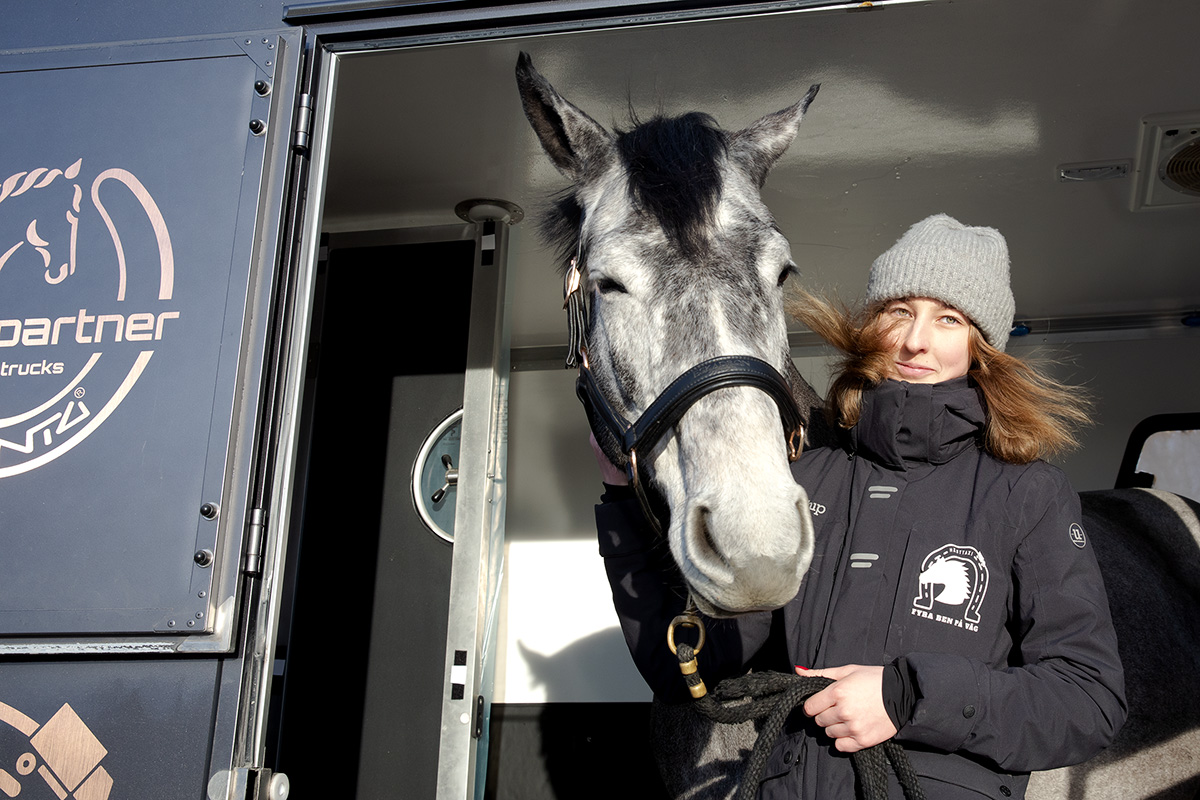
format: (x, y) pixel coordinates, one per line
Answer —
(795, 443)
(571, 284)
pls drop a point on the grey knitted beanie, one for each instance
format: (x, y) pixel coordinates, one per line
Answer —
(964, 267)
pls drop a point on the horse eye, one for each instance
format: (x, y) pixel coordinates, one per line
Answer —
(790, 269)
(606, 285)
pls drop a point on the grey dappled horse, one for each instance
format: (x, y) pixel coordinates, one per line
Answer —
(681, 262)
(684, 262)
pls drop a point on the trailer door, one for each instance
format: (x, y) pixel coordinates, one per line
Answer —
(145, 276)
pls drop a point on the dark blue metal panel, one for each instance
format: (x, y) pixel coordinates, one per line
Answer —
(127, 201)
(59, 23)
(136, 729)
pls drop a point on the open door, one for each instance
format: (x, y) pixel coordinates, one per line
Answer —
(390, 600)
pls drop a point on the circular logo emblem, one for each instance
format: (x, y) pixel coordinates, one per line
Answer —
(1077, 537)
(82, 308)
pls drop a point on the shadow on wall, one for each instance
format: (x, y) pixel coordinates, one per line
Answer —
(582, 670)
(553, 480)
(574, 751)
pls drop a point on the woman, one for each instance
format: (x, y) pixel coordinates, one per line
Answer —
(953, 595)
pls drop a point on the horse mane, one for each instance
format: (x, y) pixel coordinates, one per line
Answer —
(674, 170)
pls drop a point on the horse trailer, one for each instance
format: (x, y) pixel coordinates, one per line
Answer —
(271, 518)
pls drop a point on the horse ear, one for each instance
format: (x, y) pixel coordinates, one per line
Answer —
(758, 147)
(578, 145)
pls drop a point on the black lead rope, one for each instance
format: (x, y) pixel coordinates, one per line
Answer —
(772, 696)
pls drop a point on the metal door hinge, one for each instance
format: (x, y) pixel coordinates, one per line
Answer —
(268, 785)
(249, 783)
(254, 542)
(304, 119)
(479, 706)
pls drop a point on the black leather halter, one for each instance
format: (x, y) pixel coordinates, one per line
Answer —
(669, 407)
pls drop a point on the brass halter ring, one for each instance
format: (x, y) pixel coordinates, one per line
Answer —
(690, 620)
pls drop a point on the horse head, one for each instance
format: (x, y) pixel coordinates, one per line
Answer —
(680, 263)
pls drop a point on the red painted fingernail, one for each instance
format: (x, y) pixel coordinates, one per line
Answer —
(803, 668)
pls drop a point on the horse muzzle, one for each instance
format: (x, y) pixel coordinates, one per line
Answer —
(741, 559)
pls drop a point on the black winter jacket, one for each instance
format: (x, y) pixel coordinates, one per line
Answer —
(976, 573)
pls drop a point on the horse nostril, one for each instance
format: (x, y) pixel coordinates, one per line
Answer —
(702, 539)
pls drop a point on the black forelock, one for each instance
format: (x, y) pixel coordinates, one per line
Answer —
(674, 167)
(560, 225)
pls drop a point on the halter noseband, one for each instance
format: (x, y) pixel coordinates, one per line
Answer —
(669, 407)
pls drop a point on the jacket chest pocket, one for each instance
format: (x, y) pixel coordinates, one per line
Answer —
(952, 592)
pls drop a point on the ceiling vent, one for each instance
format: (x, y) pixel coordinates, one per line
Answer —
(1168, 165)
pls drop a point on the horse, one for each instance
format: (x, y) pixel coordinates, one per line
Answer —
(667, 294)
(682, 262)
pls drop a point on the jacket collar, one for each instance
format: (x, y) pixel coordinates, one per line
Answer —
(930, 423)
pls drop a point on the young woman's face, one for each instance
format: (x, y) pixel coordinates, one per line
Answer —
(929, 340)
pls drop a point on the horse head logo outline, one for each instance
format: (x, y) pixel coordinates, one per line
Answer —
(21, 182)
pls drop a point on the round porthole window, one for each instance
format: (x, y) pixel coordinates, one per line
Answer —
(435, 476)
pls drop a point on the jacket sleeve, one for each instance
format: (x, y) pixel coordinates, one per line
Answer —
(648, 592)
(1062, 698)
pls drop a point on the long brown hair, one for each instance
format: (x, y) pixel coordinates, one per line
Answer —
(1029, 414)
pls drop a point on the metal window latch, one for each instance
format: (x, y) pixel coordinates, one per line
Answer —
(451, 478)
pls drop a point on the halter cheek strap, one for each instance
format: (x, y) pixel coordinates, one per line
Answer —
(670, 406)
(576, 308)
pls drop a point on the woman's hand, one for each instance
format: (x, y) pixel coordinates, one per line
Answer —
(608, 471)
(851, 710)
